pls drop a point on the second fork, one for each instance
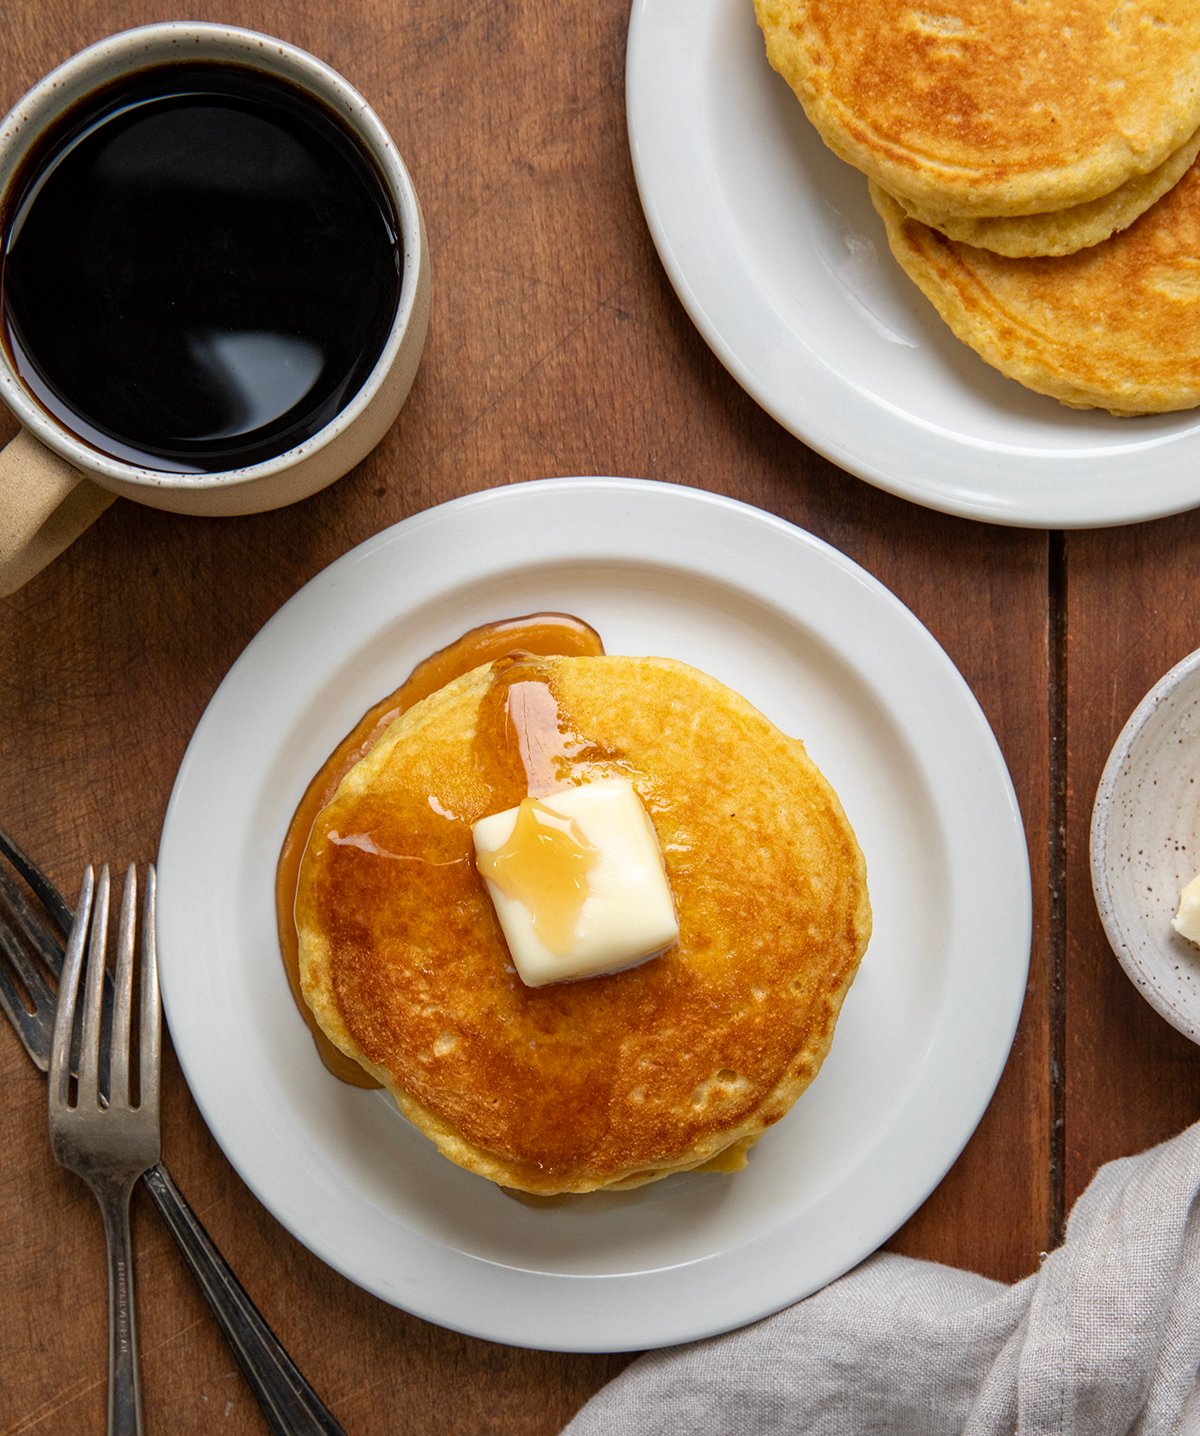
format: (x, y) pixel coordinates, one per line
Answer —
(106, 1137)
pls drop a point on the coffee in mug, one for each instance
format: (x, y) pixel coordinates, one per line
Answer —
(214, 281)
(200, 266)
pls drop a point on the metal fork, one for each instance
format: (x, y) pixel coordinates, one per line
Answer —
(109, 1138)
(34, 918)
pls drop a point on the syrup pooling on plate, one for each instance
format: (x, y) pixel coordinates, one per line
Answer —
(538, 751)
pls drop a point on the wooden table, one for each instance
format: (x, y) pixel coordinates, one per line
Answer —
(556, 347)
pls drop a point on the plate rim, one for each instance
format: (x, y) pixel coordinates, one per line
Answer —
(650, 1328)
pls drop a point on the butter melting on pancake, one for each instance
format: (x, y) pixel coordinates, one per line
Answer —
(614, 1080)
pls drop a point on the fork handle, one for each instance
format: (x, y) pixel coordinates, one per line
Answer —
(124, 1388)
(290, 1405)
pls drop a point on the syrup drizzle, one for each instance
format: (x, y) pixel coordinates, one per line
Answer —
(539, 746)
(544, 864)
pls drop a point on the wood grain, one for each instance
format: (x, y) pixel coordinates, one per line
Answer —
(556, 347)
(1131, 1079)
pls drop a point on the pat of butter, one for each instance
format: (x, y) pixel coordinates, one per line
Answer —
(1187, 921)
(578, 882)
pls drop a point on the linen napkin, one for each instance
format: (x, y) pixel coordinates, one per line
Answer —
(1103, 1338)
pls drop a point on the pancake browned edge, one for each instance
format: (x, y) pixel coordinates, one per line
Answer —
(975, 108)
(617, 1080)
(1064, 231)
(1114, 327)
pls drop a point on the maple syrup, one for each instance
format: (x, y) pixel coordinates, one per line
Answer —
(544, 864)
(521, 746)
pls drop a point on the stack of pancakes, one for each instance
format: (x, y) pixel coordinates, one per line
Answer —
(612, 1081)
(1034, 163)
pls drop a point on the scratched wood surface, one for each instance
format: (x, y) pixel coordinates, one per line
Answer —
(556, 347)
(1129, 1078)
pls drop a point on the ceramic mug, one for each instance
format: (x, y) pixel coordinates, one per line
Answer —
(59, 474)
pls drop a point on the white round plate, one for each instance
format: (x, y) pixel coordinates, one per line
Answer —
(1145, 844)
(777, 255)
(826, 652)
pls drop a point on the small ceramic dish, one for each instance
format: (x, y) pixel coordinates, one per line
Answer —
(1145, 844)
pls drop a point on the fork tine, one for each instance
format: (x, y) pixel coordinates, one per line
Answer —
(68, 991)
(31, 959)
(118, 1078)
(25, 989)
(31, 953)
(19, 959)
(150, 1055)
(88, 1086)
(25, 919)
(49, 896)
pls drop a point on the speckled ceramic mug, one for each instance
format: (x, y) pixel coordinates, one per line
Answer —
(53, 481)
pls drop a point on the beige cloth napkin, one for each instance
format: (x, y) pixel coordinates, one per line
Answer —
(1103, 1339)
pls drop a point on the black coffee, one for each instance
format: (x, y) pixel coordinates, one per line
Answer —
(200, 269)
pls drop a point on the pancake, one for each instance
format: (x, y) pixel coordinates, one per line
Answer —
(980, 109)
(616, 1080)
(1067, 230)
(1113, 327)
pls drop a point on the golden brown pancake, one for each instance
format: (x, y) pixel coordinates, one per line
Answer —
(1115, 327)
(615, 1080)
(1064, 231)
(978, 108)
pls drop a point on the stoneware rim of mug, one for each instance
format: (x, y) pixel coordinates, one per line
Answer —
(172, 41)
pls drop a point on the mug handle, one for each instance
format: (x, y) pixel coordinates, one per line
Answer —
(45, 504)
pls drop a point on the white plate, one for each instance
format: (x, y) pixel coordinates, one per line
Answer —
(780, 260)
(830, 655)
(1145, 844)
